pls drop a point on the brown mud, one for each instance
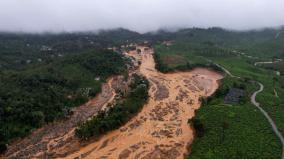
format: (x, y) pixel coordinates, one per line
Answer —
(160, 130)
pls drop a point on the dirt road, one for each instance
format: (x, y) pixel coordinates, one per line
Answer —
(160, 130)
(267, 62)
(271, 122)
(253, 101)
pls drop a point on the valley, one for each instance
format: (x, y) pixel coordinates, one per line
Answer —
(160, 130)
(125, 79)
(166, 95)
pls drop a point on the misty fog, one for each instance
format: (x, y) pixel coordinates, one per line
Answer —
(141, 16)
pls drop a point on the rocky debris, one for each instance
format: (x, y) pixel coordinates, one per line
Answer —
(87, 153)
(68, 148)
(138, 156)
(135, 147)
(192, 88)
(190, 102)
(163, 153)
(123, 129)
(112, 149)
(60, 142)
(153, 89)
(158, 113)
(162, 91)
(182, 95)
(135, 124)
(143, 118)
(190, 85)
(28, 151)
(178, 131)
(198, 84)
(120, 85)
(113, 138)
(163, 133)
(124, 154)
(177, 87)
(104, 144)
(150, 69)
(161, 111)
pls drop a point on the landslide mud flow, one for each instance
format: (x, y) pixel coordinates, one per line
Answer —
(160, 130)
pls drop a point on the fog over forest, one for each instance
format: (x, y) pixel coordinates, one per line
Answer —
(141, 16)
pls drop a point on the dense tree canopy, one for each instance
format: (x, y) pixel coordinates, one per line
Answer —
(35, 96)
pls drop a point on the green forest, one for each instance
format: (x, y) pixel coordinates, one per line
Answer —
(33, 97)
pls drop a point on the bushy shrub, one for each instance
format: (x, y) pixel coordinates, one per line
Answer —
(198, 127)
(3, 147)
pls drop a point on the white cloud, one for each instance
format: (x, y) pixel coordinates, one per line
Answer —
(139, 15)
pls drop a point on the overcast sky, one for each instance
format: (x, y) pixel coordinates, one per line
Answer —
(138, 15)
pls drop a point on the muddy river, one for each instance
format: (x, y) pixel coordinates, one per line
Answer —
(160, 130)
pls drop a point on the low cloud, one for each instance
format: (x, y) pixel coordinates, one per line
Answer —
(141, 16)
